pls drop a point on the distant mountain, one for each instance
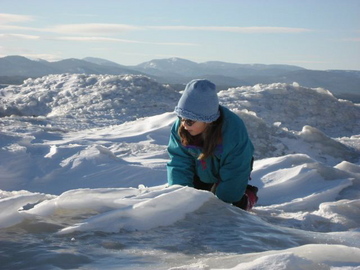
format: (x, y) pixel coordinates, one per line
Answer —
(102, 62)
(82, 66)
(177, 71)
(21, 66)
(243, 70)
(343, 83)
(169, 67)
(336, 81)
(24, 67)
(225, 75)
(186, 68)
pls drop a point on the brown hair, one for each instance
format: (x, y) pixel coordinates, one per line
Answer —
(211, 137)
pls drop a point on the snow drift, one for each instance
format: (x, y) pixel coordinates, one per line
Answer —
(83, 164)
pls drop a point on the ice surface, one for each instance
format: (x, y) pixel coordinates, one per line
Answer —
(83, 165)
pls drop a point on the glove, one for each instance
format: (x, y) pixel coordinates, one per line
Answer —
(249, 199)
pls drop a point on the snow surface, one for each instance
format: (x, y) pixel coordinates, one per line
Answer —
(83, 180)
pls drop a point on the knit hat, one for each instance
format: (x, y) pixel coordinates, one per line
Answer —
(199, 102)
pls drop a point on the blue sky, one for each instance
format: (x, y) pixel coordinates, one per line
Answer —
(315, 34)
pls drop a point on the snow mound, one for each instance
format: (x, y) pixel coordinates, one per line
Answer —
(120, 97)
(292, 106)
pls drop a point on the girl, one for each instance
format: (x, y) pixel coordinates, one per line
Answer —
(209, 147)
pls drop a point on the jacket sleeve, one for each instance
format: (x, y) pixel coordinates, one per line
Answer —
(235, 170)
(181, 167)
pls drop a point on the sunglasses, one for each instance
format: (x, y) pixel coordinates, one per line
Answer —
(188, 122)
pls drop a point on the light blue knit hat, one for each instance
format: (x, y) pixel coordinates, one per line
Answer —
(199, 102)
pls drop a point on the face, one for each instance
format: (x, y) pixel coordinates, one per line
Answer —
(196, 128)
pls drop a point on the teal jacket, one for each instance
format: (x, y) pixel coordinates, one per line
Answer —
(229, 167)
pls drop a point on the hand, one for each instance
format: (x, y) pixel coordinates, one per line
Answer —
(249, 199)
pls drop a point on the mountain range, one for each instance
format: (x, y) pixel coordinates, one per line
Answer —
(177, 72)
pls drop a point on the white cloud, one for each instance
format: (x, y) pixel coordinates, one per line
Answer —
(18, 36)
(13, 18)
(21, 28)
(106, 39)
(245, 30)
(103, 28)
(95, 39)
(111, 29)
(94, 28)
(352, 39)
(88, 28)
